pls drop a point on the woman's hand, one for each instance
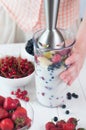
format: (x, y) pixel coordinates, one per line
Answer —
(77, 57)
(75, 61)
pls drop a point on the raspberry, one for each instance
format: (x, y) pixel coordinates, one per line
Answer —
(56, 58)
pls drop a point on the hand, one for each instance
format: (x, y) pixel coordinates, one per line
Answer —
(76, 61)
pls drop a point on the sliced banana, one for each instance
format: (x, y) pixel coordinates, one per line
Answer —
(48, 54)
(44, 61)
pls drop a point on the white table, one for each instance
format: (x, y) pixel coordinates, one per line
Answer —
(43, 114)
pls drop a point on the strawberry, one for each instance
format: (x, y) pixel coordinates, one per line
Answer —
(6, 124)
(60, 123)
(49, 125)
(3, 113)
(72, 120)
(55, 128)
(68, 126)
(56, 58)
(19, 117)
(11, 104)
(28, 122)
(1, 100)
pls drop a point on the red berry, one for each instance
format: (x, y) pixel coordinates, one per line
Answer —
(49, 125)
(72, 120)
(60, 123)
(26, 99)
(56, 58)
(68, 126)
(12, 92)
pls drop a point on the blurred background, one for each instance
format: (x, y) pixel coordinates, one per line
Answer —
(82, 7)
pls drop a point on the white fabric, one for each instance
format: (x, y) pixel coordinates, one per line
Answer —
(9, 31)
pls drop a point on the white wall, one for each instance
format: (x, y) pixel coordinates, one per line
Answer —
(82, 8)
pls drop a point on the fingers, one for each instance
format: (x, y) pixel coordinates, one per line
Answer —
(70, 74)
(73, 58)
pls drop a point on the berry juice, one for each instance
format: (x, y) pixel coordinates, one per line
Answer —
(48, 66)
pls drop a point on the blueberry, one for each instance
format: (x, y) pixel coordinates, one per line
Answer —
(63, 106)
(74, 95)
(69, 96)
(50, 67)
(55, 118)
(57, 65)
(67, 111)
(29, 47)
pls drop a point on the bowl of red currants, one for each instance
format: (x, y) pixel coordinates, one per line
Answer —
(15, 71)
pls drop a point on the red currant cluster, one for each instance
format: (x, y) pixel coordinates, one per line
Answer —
(15, 67)
(21, 94)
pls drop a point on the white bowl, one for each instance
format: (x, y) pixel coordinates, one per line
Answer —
(7, 83)
(18, 82)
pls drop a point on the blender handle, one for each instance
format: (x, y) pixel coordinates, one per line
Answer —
(51, 13)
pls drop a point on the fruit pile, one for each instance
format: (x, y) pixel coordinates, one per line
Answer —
(12, 115)
(70, 124)
(53, 59)
(21, 94)
(15, 67)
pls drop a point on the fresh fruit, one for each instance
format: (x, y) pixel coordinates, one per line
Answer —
(44, 61)
(68, 126)
(11, 104)
(60, 123)
(49, 125)
(1, 100)
(69, 96)
(75, 95)
(19, 116)
(73, 121)
(12, 115)
(6, 124)
(29, 47)
(67, 112)
(28, 122)
(63, 106)
(48, 54)
(56, 58)
(55, 118)
(15, 67)
(3, 113)
(21, 94)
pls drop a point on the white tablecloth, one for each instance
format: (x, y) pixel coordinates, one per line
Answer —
(77, 107)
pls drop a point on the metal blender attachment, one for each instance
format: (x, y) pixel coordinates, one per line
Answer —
(51, 37)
